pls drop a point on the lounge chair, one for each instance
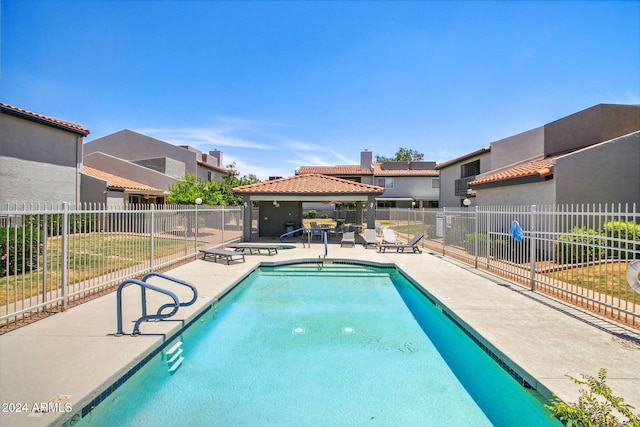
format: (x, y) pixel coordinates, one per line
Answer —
(348, 237)
(389, 236)
(256, 247)
(400, 247)
(370, 237)
(216, 254)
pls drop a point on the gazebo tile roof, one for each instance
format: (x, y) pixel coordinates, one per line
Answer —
(315, 184)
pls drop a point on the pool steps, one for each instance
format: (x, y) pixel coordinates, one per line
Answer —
(174, 356)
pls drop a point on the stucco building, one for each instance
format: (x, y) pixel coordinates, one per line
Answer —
(40, 157)
(591, 156)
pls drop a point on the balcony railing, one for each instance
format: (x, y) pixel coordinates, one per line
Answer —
(462, 185)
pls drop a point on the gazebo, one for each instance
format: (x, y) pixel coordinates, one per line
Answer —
(280, 201)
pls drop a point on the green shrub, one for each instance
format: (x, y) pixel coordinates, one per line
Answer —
(77, 223)
(580, 245)
(500, 248)
(19, 250)
(455, 236)
(311, 213)
(470, 243)
(616, 231)
(430, 231)
(595, 407)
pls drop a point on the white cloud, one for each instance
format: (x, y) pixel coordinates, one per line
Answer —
(628, 98)
(258, 147)
(204, 138)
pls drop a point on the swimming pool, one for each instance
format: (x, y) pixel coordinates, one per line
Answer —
(317, 344)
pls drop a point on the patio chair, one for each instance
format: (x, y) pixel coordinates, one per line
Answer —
(389, 236)
(348, 237)
(370, 237)
(400, 247)
(316, 233)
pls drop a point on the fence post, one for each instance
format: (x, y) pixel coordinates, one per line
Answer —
(224, 208)
(195, 248)
(475, 231)
(45, 265)
(532, 246)
(152, 230)
(444, 229)
(488, 213)
(65, 255)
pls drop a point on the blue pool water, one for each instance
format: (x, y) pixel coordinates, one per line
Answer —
(342, 345)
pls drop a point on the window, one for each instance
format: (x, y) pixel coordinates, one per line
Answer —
(470, 169)
(435, 183)
(385, 182)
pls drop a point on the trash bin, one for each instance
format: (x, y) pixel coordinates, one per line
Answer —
(288, 226)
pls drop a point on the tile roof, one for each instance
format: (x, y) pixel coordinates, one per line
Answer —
(464, 157)
(39, 118)
(115, 181)
(311, 184)
(542, 167)
(333, 170)
(378, 171)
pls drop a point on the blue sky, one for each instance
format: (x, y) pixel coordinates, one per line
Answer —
(276, 85)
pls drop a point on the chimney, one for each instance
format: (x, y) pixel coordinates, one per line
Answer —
(366, 158)
(217, 154)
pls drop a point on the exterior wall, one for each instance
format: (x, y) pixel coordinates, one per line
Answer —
(540, 193)
(604, 173)
(599, 123)
(38, 163)
(92, 190)
(165, 165)
(367, 179)
(129, 170)
(129, 145)
(516, 148)
(272, 219)
(415, 187)
(449, 175)
(115, 198)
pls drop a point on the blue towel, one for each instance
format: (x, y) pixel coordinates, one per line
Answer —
(516, 231)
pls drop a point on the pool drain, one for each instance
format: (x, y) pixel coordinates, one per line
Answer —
(348, 330)
(298, 330)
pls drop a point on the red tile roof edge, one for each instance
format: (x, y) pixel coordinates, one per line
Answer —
(272, 186)
(116, 181)
(463, 157)
(40, 118)
(541, 167)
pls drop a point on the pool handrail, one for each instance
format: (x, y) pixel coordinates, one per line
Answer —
(325, 237)
(158, 316)
(173, 279)
(290, 233)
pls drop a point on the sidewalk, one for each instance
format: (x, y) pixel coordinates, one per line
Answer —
(73, 356)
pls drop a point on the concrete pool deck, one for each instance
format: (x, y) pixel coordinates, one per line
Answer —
(72, 356)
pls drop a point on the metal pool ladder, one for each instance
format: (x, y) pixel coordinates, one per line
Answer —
(159, 315)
